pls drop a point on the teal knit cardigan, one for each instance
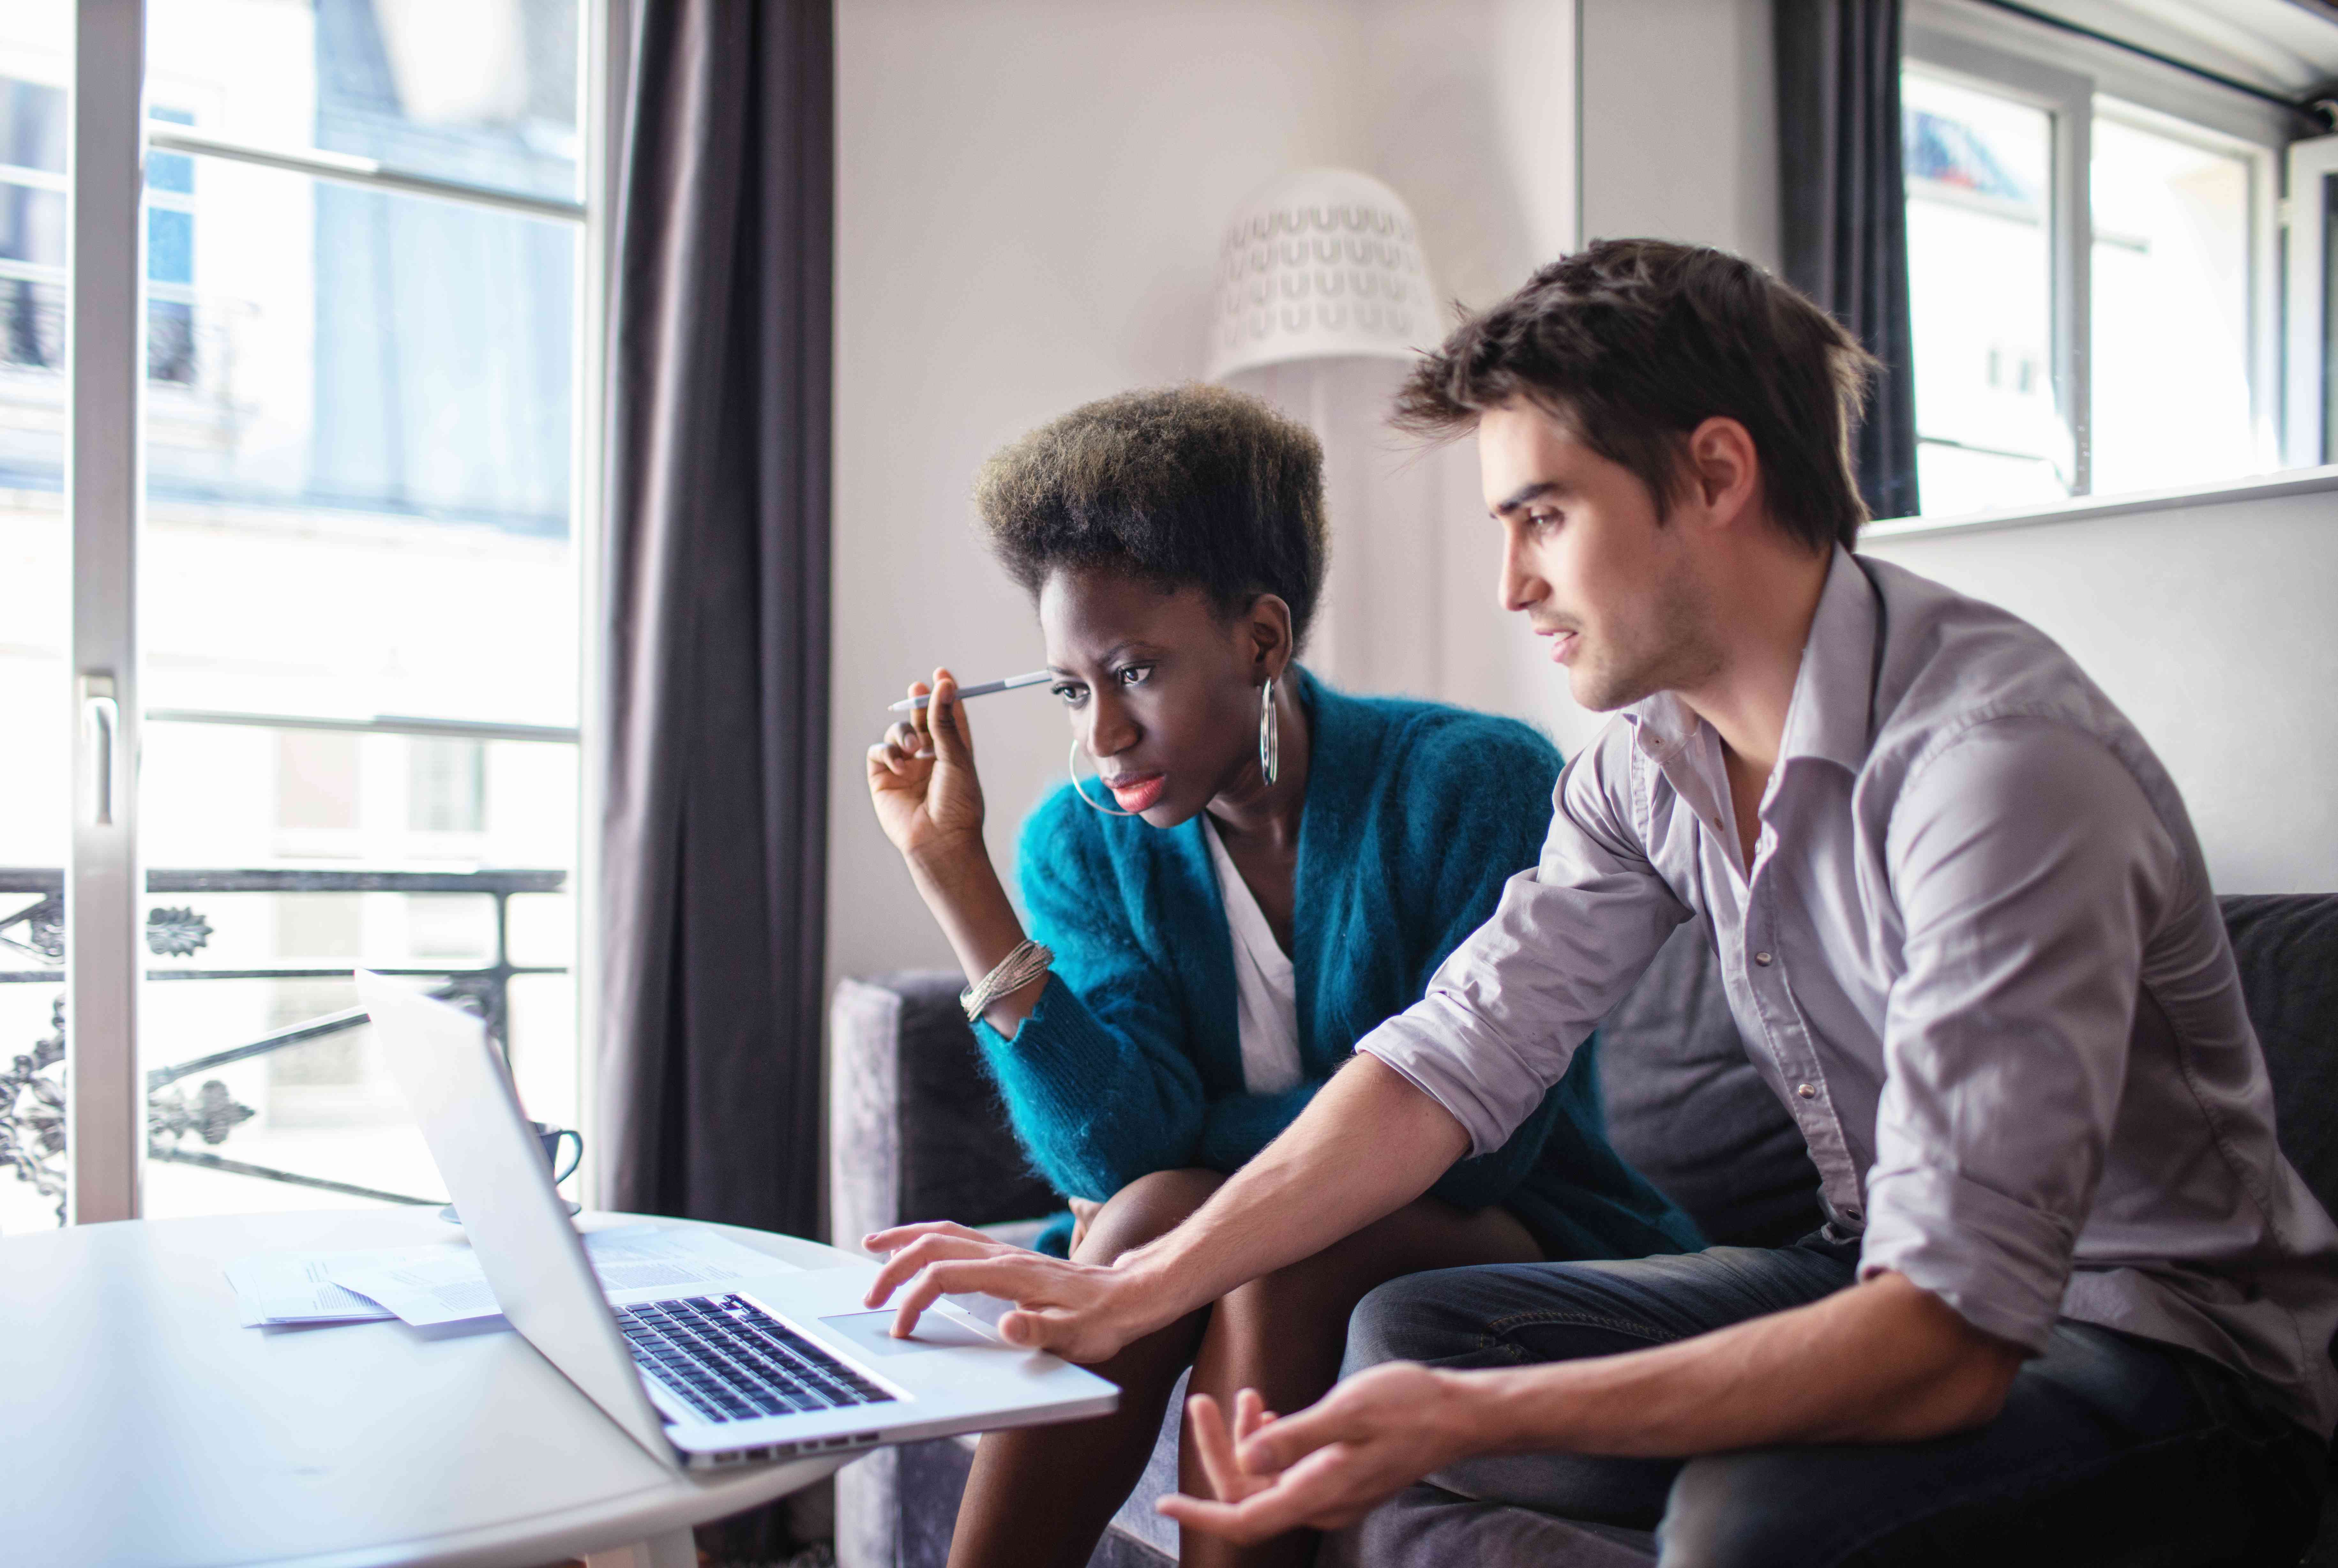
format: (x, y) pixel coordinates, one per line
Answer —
(1131, 1063)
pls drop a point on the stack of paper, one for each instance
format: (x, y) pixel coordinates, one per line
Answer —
(298, 1287)
(444, 1283)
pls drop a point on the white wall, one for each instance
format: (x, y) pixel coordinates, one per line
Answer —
(1030, 197)
(1680, 123)
(2214, 624)
(1679, 142)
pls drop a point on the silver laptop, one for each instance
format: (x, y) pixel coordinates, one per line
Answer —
(788, 1366)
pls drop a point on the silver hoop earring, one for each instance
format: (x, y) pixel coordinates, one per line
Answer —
(1270, 736)
(1073, 765)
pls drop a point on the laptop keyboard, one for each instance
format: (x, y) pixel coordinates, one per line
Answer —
(730, 1360)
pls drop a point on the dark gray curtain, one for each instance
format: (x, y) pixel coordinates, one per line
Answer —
(715, 630)
(1846, 214)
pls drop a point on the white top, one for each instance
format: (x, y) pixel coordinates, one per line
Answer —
(145, 1425)
(1266, 995)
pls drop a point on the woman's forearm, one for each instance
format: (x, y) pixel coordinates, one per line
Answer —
(970, 904)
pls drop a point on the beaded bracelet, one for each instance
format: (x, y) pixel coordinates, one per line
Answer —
(1018, 969)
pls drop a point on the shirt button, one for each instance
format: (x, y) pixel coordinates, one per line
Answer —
(1763, 959)
(1806, 1092)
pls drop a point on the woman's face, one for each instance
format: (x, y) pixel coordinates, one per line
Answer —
(1162, 689)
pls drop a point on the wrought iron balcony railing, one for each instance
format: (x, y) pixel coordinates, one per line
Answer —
(31, 1087)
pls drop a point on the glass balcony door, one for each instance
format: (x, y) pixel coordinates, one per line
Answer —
(2310, 408)
(36, 59)
(343, 587)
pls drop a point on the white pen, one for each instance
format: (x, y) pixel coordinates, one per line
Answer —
(911, 704)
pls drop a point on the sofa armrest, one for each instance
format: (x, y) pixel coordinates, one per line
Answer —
(915, 1129)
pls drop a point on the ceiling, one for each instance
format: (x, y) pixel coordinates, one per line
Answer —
(2284, 46)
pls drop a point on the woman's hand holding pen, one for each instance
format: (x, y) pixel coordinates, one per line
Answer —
(922, 780)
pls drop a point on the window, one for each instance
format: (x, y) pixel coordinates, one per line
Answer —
(171, 260)
(32, 223)
(448, 787)
(364, 414)
(316, 780)
(2090, 276)
(33, 233)
(1980, 280)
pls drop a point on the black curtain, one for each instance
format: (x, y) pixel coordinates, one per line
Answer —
(715, 627)
(1846, 212)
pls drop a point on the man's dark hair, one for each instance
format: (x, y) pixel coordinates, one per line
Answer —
(1182, 485)
(1637, 342)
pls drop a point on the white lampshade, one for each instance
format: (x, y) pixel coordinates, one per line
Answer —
(1316, 263)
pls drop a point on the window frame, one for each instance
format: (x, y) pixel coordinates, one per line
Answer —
(107, 387)
(2066, 99)
(24, 176)
(2308, 204)
(2074, 80)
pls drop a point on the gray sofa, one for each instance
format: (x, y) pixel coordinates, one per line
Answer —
(916, 1133)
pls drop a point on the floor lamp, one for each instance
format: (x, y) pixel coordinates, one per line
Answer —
(1324, 300)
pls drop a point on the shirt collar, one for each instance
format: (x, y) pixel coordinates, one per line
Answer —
(1833, 688)
(1661, 724)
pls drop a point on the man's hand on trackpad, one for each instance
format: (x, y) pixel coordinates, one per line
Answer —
(1080, 1311)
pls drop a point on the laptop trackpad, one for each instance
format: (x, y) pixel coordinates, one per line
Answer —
(871, 1331)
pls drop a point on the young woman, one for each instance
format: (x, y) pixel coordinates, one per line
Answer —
(1260, 870)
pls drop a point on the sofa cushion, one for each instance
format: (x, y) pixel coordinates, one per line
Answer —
(1686, 1107)
(2286, 946)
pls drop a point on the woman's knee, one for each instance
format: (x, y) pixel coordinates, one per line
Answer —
(1425, 1235)
(1149, 1207)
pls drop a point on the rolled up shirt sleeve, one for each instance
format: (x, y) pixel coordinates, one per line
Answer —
(1502, 1017)
(2027, 863)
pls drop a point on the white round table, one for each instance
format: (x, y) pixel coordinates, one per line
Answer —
(140, 1424)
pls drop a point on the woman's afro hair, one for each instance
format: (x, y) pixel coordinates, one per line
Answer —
(1191, 486)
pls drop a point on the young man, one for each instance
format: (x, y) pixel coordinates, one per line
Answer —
(2071, 1298)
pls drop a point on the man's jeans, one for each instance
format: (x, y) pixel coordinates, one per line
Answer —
(2110, 1450)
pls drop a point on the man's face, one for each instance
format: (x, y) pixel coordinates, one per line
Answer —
(1585, 560)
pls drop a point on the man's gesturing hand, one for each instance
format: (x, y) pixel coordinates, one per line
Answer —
(1212, 1436)
(1331, 1464)
(1080, 1311)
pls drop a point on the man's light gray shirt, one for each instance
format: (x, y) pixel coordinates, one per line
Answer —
(1978, 958)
